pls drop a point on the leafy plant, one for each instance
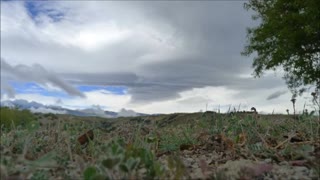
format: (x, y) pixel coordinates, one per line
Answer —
(12, 118)
(32, 151)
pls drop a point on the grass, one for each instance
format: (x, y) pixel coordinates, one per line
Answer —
(156, 147)
(12, 118)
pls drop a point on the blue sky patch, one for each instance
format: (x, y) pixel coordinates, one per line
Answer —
(34, 88)
(35, 9)
(119, 90)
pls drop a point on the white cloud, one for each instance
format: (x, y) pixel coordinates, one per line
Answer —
(172, 56)
(99, 35)
(215, 98)
(87, 44)
(212, 98)
(103, 98)
(126, 113)
(47, 110)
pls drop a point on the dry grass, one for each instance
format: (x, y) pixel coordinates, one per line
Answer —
(175, 146)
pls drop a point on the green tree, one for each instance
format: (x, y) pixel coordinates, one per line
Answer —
(288, 36)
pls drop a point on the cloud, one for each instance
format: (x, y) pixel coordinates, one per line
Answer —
(126, 113)
(47, 110)
(157, 51)
(35, 73)
(6, 89)
(59, 102)
(276, 94)
(210, 98)
(103, 98)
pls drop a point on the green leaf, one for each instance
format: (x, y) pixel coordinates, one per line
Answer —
(123, 168)
(132, 163)
(47, 160)
(33, 126)
(110, 163)
(114, 148)
(170, 163)
(99, 177)
(158, 169)
(151, 139)
(287, 37)
(89, 173)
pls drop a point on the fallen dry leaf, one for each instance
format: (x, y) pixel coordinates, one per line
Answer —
(242, 139)
(186, 147)
(298, 163)
(84, 139)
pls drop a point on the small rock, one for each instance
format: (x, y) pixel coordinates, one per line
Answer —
(301, 169)
(187, 152)
(284, 163)
(203, 156)
(191, 160)
(268, 160)
(142, 171)
(197, 174)
(195, 166)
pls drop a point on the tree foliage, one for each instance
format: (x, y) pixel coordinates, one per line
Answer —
(288, 36)
(10, 118)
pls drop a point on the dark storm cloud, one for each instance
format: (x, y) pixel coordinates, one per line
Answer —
(35, 73)
(7, 89)
(207, 36)
(213, 35)
(276, 94)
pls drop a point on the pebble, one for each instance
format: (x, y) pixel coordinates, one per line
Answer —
(268, 160)
(190, 161)
(301, 168)
(195, 166)
(204, 157)
(197, 174)
(187, 152)
(284, 163)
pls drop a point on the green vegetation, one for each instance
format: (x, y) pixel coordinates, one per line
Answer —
(198, 145)
(288, 37)
(13, 118)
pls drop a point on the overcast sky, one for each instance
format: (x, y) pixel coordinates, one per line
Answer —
(151, 57)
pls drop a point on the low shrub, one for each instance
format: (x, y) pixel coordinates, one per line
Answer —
(12, 118)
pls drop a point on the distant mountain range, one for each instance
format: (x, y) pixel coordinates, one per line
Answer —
(92, 111)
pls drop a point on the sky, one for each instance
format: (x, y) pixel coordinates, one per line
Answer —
(150, 57)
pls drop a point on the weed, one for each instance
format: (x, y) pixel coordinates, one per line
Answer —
(137, 150)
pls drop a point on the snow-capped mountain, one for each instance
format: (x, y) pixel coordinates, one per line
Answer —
(94, 110)
(21, 103)
(7, 104)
